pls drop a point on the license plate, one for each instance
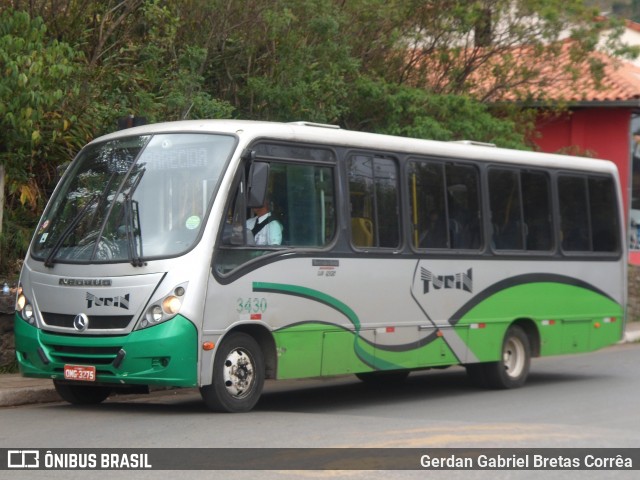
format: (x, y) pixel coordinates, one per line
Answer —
(80, 373)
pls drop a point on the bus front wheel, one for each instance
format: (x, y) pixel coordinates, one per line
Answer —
(81, 394)
(512, 369)
(238, 375)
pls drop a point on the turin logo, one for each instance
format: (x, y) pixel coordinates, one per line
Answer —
(457, 281)
(94, 301)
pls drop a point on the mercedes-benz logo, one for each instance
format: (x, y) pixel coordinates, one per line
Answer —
(81, 322)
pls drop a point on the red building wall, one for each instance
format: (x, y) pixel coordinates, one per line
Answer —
(599, 132)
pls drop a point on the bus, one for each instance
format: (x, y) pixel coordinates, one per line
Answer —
(390, 255)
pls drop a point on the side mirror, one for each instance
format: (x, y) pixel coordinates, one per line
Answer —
(257, 185)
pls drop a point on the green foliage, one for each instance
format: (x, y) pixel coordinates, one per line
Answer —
(70, 69)
(152, 75)
(14, 240)
(36, 71)
(304, 74)
(412, 112)
(35, 84)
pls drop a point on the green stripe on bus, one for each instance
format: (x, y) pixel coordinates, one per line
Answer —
(361, 348)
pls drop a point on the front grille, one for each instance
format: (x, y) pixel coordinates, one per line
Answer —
(96, 322)
(84, 355)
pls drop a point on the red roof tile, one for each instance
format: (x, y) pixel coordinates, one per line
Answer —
(618, 81)
(552, 77)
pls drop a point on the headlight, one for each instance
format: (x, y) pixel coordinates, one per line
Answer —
(24, 308)
(21, 301)
(171, 304)
(165, 308)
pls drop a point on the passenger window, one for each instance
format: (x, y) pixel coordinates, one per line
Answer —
(588, 214)
(373, 193)
(536, 208)
(520, 210)
(445, 205)
(604, 214)
(428, 205)
(506, 210)
(463, 203)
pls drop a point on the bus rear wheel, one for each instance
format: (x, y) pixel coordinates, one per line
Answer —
(512, 370)
(81, 394)
(238, 375)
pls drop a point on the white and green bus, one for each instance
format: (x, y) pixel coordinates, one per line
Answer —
(389, 255)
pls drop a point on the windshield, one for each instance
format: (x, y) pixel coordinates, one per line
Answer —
(133, 198)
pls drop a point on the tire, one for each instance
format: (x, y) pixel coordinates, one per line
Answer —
(383, 378)
(81, 394)
(238, 375)
(512, 370)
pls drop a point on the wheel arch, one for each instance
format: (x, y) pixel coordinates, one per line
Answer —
(533, 334)
(266, 342)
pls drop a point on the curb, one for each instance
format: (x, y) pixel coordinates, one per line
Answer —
(28, 395)
(630, 337)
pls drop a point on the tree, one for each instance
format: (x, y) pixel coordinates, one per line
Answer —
(487, 48)
(150, 72)
(33, 90)
(402, 110)
(271, 60)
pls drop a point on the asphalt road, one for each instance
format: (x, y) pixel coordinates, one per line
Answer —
(589, 400)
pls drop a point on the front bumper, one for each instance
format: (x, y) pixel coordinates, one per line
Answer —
(164, 355)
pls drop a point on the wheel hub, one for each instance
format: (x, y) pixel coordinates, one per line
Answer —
(513, 357)
(238, 373)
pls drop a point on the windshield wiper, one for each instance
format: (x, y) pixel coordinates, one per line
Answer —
(132, 223)
(49, 261)
(132, 228)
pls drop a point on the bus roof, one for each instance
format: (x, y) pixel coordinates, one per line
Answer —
(333, 135)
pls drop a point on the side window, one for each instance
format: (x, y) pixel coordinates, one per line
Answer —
(445, 205)
(536, 207)
(520, 210)
(299, 211)
(302, 200)
(604, 215)
(588, 214)
(373, 193)
(574, 214)
(428, 205)
(463, 203)
(506, 210)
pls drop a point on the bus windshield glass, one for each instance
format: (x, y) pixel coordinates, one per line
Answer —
(133, 198)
